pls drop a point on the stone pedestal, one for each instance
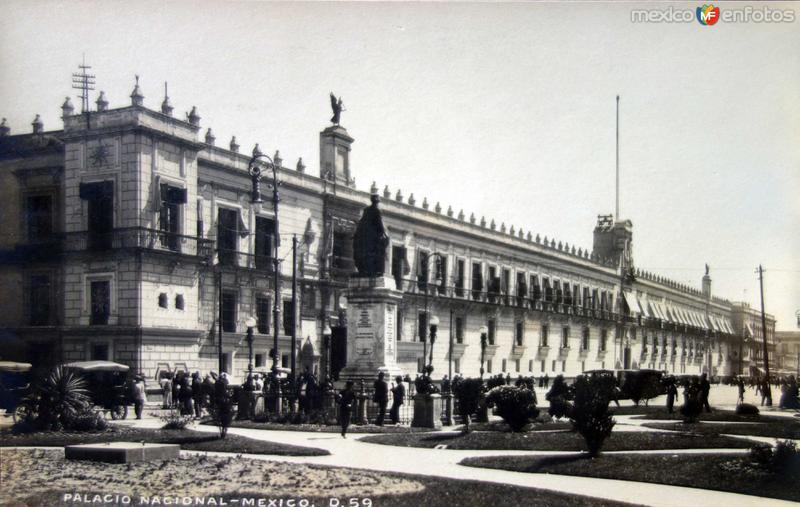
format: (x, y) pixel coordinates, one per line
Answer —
(448, 409)
(371, 328)
(427, 411)
(122, 452)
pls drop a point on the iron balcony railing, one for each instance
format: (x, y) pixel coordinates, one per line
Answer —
(134, 237)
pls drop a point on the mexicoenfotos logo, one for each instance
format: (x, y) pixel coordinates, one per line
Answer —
(708, 14)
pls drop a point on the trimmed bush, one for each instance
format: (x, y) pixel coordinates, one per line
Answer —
(783, 458)
(468, 393)
(175, 421)
(221, 408)
(590, 415)
(691, 410)
(516, 405)
(559, 396)
(746, 409)
(87, 420)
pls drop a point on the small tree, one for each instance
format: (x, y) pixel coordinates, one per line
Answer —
(58, 399)
(468, 394)
(222, 407)
(590, 415)
(516, 405)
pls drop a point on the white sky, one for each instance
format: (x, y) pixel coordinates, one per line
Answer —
(505, 110)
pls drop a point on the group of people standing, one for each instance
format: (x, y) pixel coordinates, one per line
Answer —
(190, 394)
(696, 389)
(347, 400)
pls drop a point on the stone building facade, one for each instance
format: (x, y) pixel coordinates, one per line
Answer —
(129, 235)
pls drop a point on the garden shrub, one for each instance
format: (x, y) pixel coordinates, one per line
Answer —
(590, 415)
(221, 408)
(495, 381)
(175, 421)
(54, 400)
(516, 405)
(559, 396)
(87, 420)
(691, 410)
(783, 458)
(468, 393)
(746, 409)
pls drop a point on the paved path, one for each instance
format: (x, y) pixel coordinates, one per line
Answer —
(353, 453)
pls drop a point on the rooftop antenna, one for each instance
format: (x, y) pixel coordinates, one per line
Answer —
(84, 82)
(616, 213)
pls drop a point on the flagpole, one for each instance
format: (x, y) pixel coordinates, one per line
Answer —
(616, 213)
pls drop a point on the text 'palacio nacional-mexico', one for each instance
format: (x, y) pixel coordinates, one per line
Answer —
(129, 235)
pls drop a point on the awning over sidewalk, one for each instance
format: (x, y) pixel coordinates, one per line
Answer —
(632, 301)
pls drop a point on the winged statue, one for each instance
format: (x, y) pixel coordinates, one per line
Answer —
(337, 107)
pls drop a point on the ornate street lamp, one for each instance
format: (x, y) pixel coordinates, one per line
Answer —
(326, 338)
(250, 323)
(434, 326)
(484, 331)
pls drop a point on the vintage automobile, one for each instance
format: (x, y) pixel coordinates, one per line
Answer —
(107, 383)
(14, 386)
(635, 385)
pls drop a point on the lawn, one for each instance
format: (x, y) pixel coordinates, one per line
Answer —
(188, 439)
(661, 414)
(707, 471)
(39, 477)
(556, 441)
(322, 428)
(783, 429)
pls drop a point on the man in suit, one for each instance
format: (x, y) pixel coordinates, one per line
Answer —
(398, 397)
(381, 397)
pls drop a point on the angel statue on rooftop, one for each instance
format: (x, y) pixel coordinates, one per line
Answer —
(337, 107)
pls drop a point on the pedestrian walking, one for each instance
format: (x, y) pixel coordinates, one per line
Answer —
(705, 389)
(740, 385)
(672, 393)
(381, 397)
(398, 397)
(197, 394)
(166, 390)
(346, 398)
(139, 395)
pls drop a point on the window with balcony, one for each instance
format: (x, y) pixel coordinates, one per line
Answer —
(288, 317)
(100, 302)
(586, 299)
(399, 265)
(229, 312)
(343, 250)
(422, 270)
(565, 338)
(567, 294)
(576, 295)
(169, 215)
(477, 280)
(522, 289)
(262, 314)
(40, 300)
(460, 276)
(559, 293)
(548, 290)
(265, 235)
(505, 284)
(585, 339)
(441, 273)
(99, 199)
(536, 290)
(39, 217)
(227, 236)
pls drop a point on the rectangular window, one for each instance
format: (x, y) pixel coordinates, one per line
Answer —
(563, 366)
(530, 365)
(100, 301)
(99, 352)
(567, 294)
(399, 265)
(585, 339)
(227, 232)
(565, 338)
(492, 327)
(559, 294)
(548, 291)
(39, 216)
(229, 312)
(342, 250)
(553, 365)
(493, 287)
(288, 317)
(100, 220)
(460, 275)
(519, 330)
(180, 302)
(516, 365)
(169, 219)
(586, 297)
(262, 314)
(536, 290)
(522, 289)
(265, 235)
(422, 325)
(488, 366)
(477, 280)
(259, 361)
(543, 338)
(422, 270)
(457, 365)
(541, 366)
(39, 300)
(505, 284)
(284, 360)
(420, 364)
(576, 295)
(504, 365)
(603, 339)
(459, 329)
(399, 324)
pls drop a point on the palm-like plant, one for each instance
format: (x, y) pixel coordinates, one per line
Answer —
(60, 395)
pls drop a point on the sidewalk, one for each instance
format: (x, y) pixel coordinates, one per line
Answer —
(352, 453)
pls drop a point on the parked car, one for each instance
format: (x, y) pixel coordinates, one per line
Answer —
(107, 383)
(14, 386)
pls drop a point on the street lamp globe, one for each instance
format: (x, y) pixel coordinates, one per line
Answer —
(483, 330)
(250, 322)
(327, 330)
(434, 321)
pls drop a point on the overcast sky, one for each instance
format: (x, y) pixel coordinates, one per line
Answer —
(504, 110)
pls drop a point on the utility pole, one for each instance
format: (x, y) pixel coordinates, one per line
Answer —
(294, 306)
(764, 331)
(616, 212)
(219, 319)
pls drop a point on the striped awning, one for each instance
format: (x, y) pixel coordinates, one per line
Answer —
(728, 325)
(749, 329)
(656, 310)
(714, 325)
(632, 301)
(646, 308)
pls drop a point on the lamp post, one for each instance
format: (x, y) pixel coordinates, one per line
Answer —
(250, 323)
(434, 326)
(326, 338)
(259, 159)
(484, 331)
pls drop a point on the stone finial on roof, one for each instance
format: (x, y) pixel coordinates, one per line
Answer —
(301, 167)
(461, 215)
(398, 196)
(193, 117)
(529, 236)
(210, 137)
(538, 238)
(137, 99)
(546, 241)
(483, 222)
(512, 231)
(560, 246)
(373, 189)
(67, 108)
(102, 102)
(166, 107)
(4, 128)
(234, 146)
(411, 199)
(520, 234)
(257, 151)
(424, 203)
(580, 252)
(472, 218)
(449, 211)
(503, 227)
(276, 159)
(38, 126)
(573, 250)
(386, 193)
(437, 208)
(492, 225)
